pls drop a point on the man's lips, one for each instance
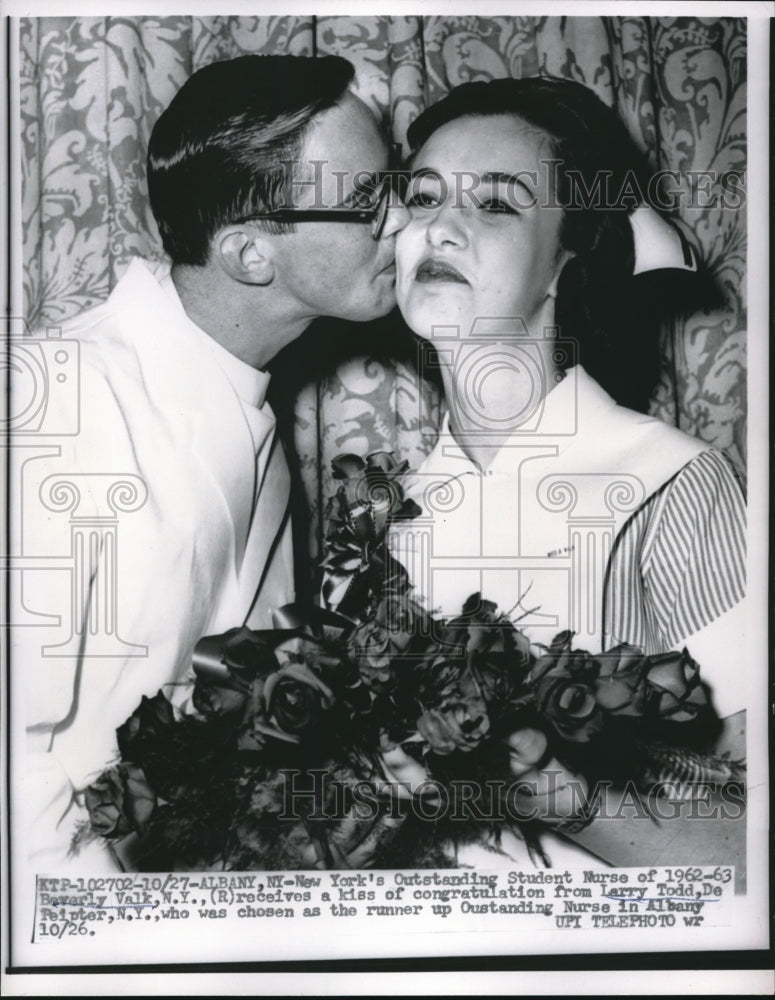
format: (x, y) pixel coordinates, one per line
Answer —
(434, 269)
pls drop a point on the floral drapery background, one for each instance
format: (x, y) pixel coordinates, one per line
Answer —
(91, 89)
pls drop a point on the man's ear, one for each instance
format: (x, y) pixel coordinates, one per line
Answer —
(246, 257)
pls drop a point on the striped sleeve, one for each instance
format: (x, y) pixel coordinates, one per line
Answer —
(680, 561)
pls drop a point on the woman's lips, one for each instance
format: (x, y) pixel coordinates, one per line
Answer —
(438, 270)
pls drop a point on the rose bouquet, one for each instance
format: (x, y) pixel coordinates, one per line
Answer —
(381, 736)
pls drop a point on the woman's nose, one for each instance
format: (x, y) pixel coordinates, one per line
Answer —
(446, 226)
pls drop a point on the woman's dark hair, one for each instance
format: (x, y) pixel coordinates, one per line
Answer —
(600, 177)
(221, 149)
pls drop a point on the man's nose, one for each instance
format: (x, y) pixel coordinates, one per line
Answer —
(397, 217)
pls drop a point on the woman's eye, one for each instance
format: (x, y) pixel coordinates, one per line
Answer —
(498, 205)
(421, 199)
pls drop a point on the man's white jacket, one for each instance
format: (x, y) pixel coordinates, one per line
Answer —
(154, 518)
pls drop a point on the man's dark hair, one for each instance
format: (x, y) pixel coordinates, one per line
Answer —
(591, 144)
(220, 151)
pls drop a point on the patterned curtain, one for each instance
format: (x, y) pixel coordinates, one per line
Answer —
(91, 89)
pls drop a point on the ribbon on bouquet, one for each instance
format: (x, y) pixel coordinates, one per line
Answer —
(233, 658)
(350, 573)
(353, 574)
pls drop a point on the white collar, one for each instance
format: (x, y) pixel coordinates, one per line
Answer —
(560, 408)
(249, 383)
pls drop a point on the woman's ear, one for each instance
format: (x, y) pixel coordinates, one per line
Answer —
(562, 259)
(246, 257)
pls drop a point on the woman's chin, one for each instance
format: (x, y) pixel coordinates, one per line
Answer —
(431, 320)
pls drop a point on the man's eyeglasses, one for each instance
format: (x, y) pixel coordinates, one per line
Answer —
(387, 194)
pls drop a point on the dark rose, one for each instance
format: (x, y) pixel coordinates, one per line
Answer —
(676, 692)
(268, 795)
(295, 696)
(459, 720)
(497, 653)
(213, 699)
(564, 682)
(402, 617)
(375, 645)
(560, 660)
(146, 727)
(347, 467)
(120, 801)
(620, 687)
(371, 647)
(374, 486)
(455, 727)
(570, 706)
(288, 704)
